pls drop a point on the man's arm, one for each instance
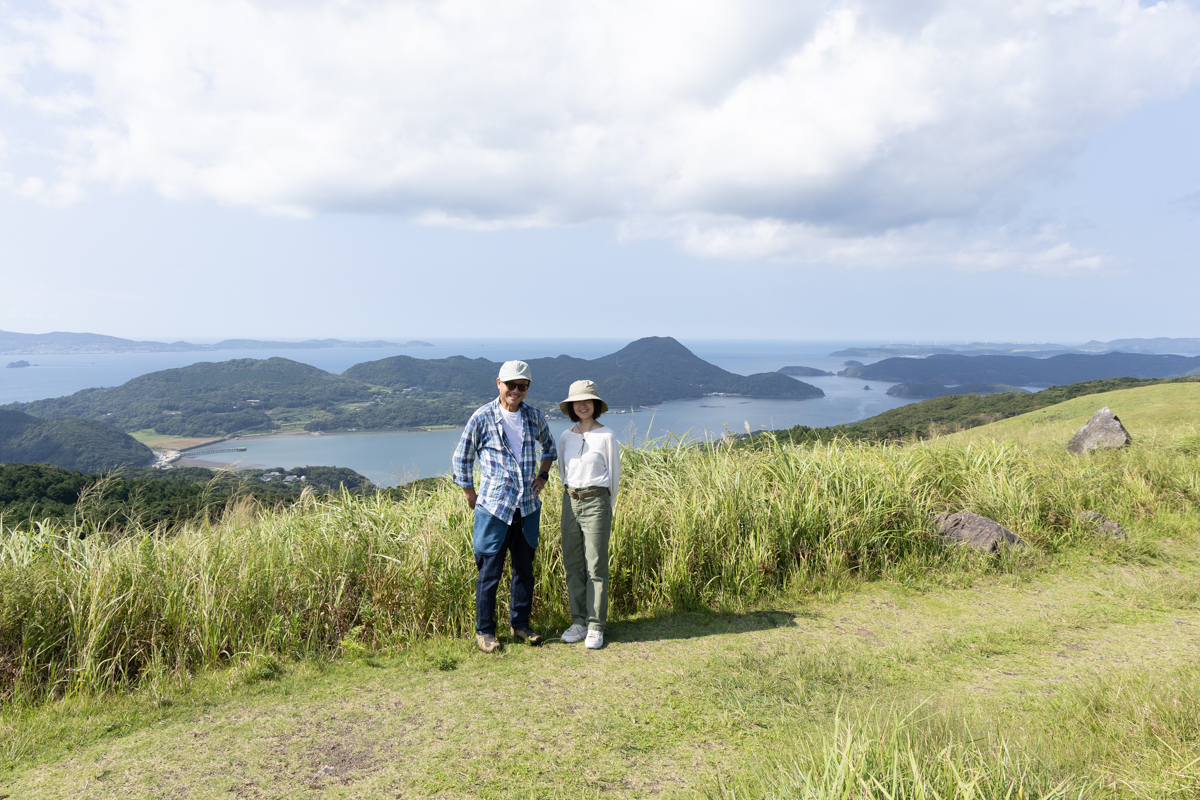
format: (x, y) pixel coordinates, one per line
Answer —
(539, 482)
(464, 461)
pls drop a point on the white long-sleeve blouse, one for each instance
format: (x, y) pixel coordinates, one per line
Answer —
(590, 459)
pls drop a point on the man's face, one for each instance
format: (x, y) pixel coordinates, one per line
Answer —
(512, 393)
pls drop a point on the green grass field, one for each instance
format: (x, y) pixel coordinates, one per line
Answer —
(785, 624)
(1158, 409)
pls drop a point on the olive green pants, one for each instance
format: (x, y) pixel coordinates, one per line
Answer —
(586, 526)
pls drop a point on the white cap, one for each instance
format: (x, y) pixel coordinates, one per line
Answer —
(515, 371)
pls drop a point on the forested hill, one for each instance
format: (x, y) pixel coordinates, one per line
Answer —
(644, 372)
(208, 399)
(1025, 371)
(79, 444)
(249, 395)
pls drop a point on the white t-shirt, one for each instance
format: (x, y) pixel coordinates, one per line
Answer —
(590, 459)
(514, 429)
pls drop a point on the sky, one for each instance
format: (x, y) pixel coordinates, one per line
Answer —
(1004, 171)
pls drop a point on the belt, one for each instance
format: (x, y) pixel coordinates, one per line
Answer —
(583, 494)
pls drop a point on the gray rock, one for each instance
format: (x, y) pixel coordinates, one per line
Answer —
(1104, 429)
(974, 530)
(1101, 523)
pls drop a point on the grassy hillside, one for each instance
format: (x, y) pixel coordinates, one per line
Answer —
(784, 624)
(80, 444)
(696, 527)
(1162, 408)
(949, 414)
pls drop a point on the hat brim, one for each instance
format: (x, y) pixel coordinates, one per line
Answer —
(565, 405)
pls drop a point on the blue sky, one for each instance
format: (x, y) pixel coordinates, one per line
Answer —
(709, 169)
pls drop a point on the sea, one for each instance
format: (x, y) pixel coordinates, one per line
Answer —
(392, 458)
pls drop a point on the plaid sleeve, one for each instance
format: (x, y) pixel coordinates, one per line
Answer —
(463, 472)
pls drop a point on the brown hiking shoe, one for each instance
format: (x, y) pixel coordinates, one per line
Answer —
(527, 634)
(487, 642)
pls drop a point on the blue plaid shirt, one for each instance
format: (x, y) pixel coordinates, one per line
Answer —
(507, 486)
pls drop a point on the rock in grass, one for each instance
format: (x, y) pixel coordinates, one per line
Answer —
(1101, 523)
(1104, 429)
(974, 530)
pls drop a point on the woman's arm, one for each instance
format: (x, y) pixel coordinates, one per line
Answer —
(614, 468)
(562, 458)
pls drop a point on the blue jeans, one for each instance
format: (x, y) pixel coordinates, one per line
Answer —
(491, 566)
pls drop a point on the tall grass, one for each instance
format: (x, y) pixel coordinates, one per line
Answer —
(694, 527)
(1111, 736)
(898, 759)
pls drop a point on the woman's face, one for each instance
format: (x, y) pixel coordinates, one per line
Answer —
(583, 409)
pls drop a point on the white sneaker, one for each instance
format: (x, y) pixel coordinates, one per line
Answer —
(595, 640)
(574, 634)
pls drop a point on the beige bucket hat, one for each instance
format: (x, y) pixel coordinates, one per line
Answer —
(582, 390)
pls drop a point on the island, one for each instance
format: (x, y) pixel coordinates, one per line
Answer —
(18, 364)
(804, 372)
(62, 342)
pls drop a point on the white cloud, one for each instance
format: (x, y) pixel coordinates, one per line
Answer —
(970, 248)
(859, 132)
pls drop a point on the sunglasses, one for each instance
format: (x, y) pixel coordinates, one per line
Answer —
(520, 387)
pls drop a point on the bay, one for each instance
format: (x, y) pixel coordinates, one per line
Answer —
(392, 458)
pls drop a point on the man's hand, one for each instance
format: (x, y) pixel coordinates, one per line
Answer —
(539, 484)
(472, 498)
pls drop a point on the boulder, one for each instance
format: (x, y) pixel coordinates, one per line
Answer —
(1104, 429)
(1101, 523)
(974, 530)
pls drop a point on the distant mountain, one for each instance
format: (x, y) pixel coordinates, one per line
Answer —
(308, 344)
(645, 372)
(258, 395)
(61, 342)
(1159, 346)
(77, 444)
(928, 390)
(1023, 370)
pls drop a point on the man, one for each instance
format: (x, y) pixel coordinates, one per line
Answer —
(508, 511)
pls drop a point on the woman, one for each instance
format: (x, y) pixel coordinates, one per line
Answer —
(589, 462)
